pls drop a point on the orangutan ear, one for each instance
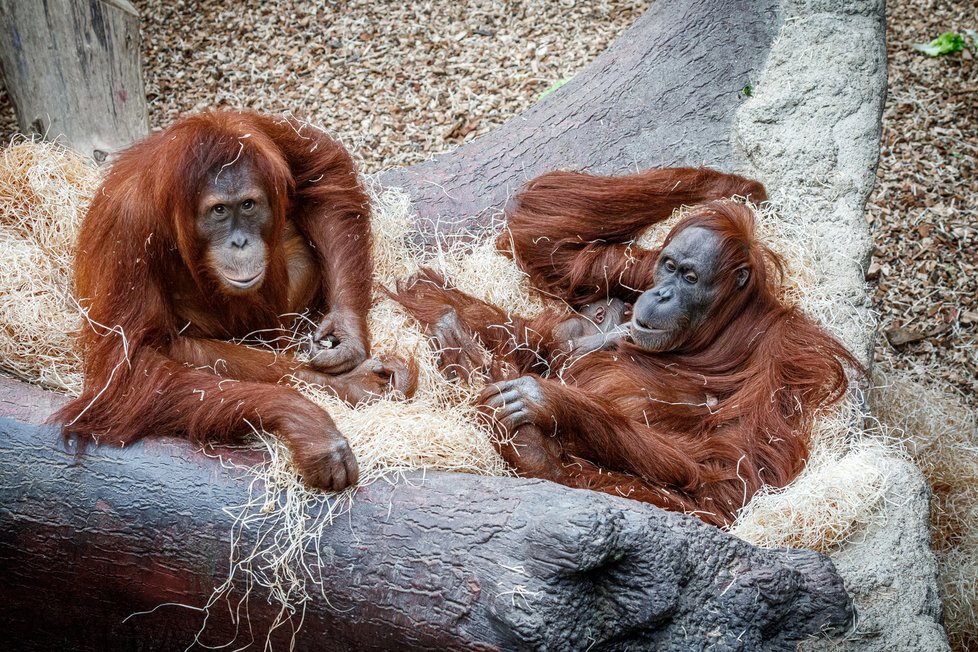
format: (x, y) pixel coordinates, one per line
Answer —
(743, 274)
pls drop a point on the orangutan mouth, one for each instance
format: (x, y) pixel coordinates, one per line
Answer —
(245, 282)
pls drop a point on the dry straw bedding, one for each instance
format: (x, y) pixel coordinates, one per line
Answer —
(43, 194)
(940, 432)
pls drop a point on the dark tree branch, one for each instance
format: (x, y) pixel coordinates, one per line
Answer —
(445, 561)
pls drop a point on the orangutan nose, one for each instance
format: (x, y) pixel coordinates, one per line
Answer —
(664, 294)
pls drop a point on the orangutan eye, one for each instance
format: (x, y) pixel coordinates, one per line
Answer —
(670, 266)
(690, 277)
(220, 210)
(247, 204)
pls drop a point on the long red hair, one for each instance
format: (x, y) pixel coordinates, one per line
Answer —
(138, 242)
(702, 427)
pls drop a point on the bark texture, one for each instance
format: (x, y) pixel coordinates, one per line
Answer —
(664, 94)
(444, 561)
(73, 72)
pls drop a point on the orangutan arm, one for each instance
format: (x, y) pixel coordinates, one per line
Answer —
(592, 427)
(236, 362)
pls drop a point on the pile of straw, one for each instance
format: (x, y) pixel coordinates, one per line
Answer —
(44, 190)
(940, 433)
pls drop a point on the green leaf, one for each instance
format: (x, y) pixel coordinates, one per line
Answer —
(553, 88)
(747, 90)
(946, 43)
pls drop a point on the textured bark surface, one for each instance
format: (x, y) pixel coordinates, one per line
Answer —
(445, 561)
(73, 73)
(664, 94)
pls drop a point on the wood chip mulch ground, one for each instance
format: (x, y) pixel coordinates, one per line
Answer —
(924, 209)
(399, 83)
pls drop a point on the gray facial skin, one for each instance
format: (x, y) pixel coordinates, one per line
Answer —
(232, 215)
(593, 318)
(684, 291)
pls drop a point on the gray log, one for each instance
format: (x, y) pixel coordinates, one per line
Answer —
(72, 69)
(665, 94)
(446, 561)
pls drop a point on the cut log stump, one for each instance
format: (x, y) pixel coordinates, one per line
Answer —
(72, 69)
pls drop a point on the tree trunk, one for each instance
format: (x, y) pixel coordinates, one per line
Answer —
(442, 561)
(72, 69)
(664, 94)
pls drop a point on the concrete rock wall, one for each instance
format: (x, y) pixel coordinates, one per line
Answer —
(811, 133)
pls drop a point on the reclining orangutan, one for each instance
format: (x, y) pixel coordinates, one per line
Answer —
(709, 391)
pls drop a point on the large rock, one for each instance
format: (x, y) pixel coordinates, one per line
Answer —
(891, 573)
(811, 134)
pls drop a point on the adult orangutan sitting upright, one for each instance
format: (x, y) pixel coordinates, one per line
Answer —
(224, 224)
(708, 392)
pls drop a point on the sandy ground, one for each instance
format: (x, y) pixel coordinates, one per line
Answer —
(399, 84)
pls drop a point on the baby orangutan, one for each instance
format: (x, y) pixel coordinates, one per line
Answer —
(595, 326)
